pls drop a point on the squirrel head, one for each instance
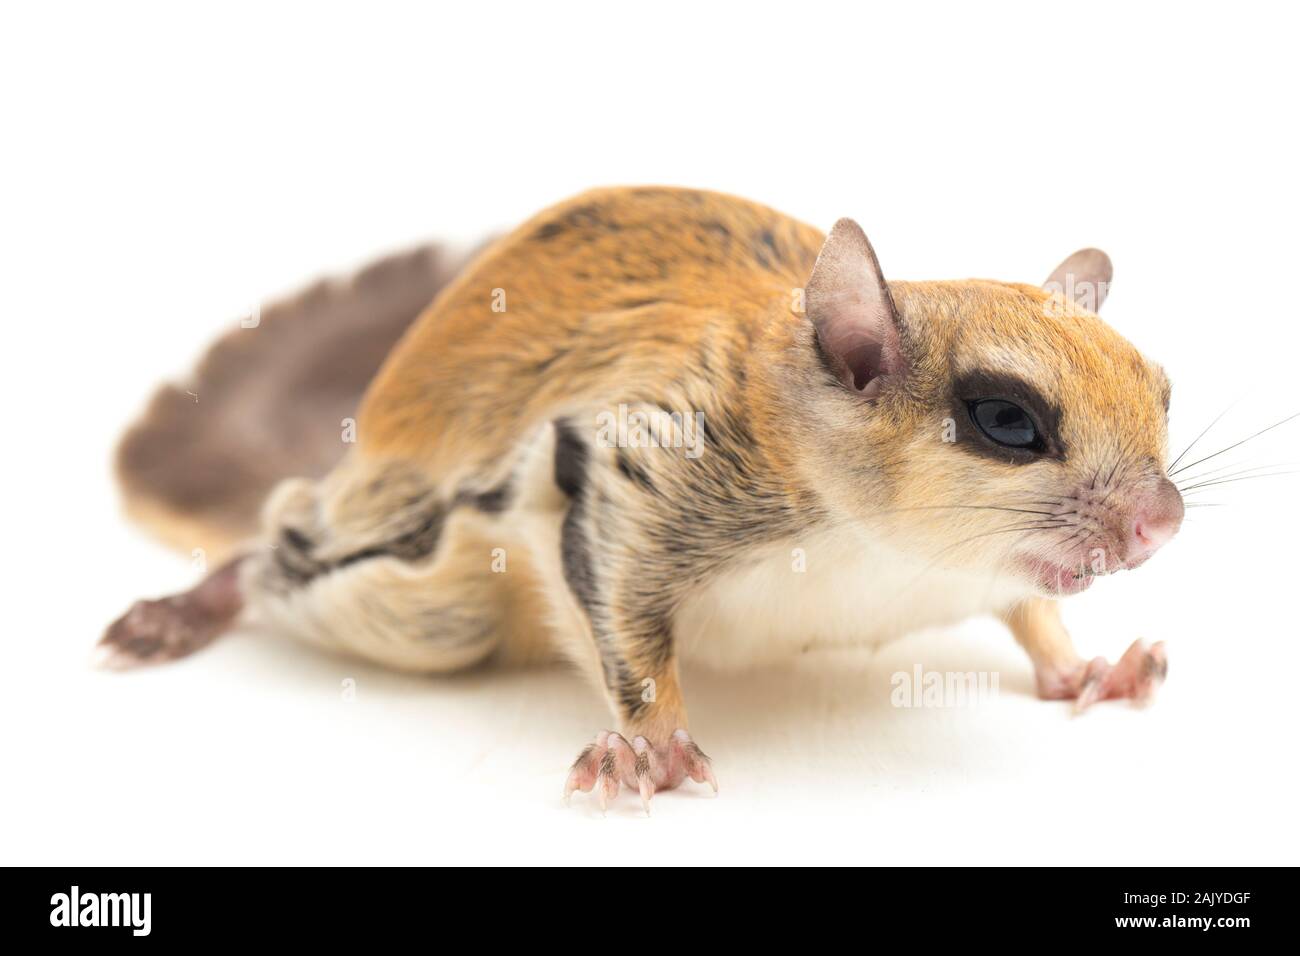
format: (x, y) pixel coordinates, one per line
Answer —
(989, 426)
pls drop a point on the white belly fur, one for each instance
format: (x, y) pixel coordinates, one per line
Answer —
(852, 591)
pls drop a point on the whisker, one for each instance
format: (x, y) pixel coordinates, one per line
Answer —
(1216, 421)
(1119, 460)
(1079, 535)
(1024, 529)
(997, 567)
(1236, 444)
(1026, 511)
(1229, 481)
(1219, 472)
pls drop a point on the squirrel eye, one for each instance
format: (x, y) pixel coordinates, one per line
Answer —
(1005, 423)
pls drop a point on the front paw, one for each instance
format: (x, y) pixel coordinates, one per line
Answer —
(611, 761)
(1135, 676)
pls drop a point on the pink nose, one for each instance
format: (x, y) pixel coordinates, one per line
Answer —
(1155, 521)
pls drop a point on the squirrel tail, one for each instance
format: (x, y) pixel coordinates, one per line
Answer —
(269, 400)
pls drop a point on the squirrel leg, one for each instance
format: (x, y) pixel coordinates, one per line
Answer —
(617, 593)
(653, 751)
(373, 562)
(370, 561)
(1061, 674)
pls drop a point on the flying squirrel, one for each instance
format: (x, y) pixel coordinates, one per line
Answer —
(652, 425)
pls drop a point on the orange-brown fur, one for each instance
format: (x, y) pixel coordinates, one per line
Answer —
(617, 291)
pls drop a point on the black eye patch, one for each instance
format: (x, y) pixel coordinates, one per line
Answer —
(1006, 418)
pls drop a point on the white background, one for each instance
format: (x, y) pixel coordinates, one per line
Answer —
(164, 168)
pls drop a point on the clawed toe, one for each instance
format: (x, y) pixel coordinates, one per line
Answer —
(695, 763)
(644, 770)
(1092, 687)
(582, 775)
(600, 767)
(1141, 671)
(608, 778)
(1136, 676)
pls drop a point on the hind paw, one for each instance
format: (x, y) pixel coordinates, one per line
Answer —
(152, 632)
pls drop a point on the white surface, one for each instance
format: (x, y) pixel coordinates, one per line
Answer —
(163, 170)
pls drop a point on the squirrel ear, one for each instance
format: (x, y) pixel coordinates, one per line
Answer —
(1083, 278)
(851, 309)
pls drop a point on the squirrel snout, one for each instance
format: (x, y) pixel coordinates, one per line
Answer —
(1156, 519)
